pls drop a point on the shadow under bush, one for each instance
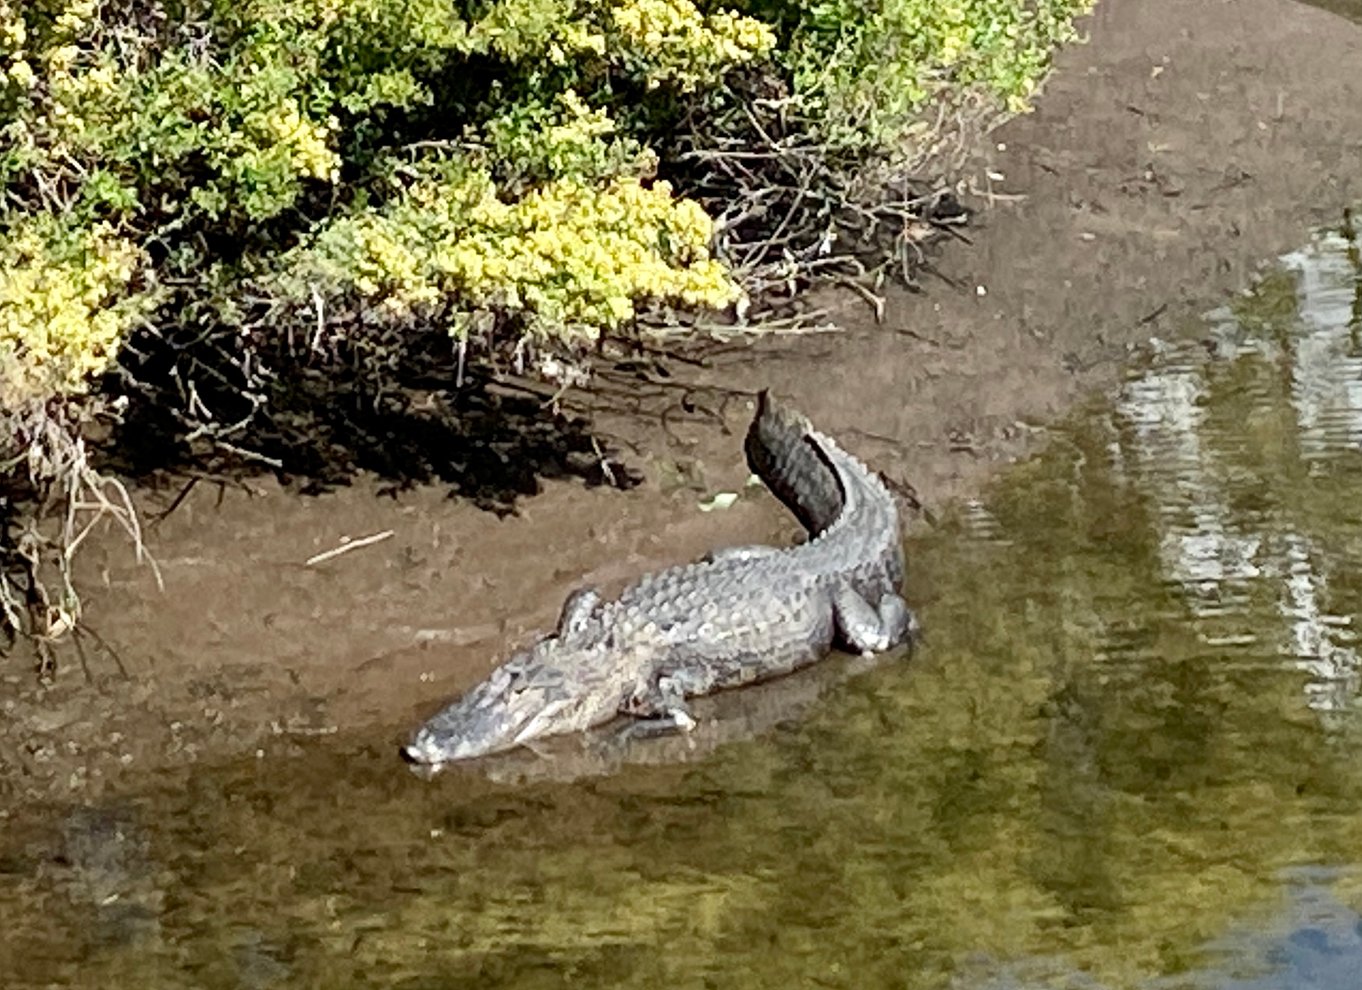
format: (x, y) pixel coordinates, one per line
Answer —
(318, 427)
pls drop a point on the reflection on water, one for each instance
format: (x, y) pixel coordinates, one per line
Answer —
(1300, 364)
(1126, 756)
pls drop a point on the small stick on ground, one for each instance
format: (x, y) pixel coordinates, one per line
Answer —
(364, 541)
(84, 630)
(164, 514)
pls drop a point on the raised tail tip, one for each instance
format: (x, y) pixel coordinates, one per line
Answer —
(772, 414)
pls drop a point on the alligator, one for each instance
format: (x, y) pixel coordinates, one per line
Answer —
(740, 615)
(722, 718)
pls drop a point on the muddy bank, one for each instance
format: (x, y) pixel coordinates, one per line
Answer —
(1187, 143)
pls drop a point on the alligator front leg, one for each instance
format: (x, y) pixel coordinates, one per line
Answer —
(871, 629)
(660, 707)
(578, 609)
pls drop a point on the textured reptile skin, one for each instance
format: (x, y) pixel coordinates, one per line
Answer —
(741, 615)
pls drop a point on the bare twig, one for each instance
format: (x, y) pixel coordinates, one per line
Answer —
(347, 546)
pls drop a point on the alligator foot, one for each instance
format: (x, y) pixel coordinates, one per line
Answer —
(669, 723)
(660, 708)
(872, 630)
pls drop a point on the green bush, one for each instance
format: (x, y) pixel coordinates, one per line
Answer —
(567, 260)
(253, 126)
(865, 70)
(68, 298)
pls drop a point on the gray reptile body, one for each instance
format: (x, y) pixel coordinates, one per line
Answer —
(742, 615)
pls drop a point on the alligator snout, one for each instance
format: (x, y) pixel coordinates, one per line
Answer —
(429, 750)
(418, 755)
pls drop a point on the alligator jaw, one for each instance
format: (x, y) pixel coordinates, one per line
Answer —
(437, 742)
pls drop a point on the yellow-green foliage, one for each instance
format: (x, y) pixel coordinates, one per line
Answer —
(117, 127)
(864, 68)
(568, 259)
(532, 142)
(654, 41)
(265, 140)
(670, 41)
(568, 244)
(246, 130)
(65, 306)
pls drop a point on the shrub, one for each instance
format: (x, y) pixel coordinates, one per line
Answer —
(253, 125)
(66, 303)
(865, 70)
(566, 261)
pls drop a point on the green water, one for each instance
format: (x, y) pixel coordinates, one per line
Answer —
(1128, 754)
(1346, 8)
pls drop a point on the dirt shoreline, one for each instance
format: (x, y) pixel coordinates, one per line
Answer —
(1189, 142)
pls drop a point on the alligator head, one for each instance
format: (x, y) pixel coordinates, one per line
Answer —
(525, 698)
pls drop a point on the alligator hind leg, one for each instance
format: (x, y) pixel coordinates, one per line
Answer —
(871, 629)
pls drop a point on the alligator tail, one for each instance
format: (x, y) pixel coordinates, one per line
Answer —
(781, 452)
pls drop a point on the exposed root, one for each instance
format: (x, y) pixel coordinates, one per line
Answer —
(43, 525)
